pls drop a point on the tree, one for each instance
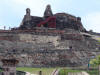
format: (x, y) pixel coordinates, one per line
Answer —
(96, 61)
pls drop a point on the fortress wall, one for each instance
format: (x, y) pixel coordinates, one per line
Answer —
(32, 38)
(46, 41)
(45, 58)
(9, 36)
(30, 51)
(55, 58)
(39, 38)
(42, 41)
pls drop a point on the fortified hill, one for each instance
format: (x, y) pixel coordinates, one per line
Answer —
(50, 20)
(49, 41)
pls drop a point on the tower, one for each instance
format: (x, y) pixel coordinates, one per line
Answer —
(28, 16)
(28, 12)
(48, 12)
(26, 20)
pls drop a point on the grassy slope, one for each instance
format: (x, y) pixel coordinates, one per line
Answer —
(45, 71)
(65, 71)
(93, 72)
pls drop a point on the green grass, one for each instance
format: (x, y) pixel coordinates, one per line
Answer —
(65, 71)
(45, 71)
(48, 71)
(93, 72)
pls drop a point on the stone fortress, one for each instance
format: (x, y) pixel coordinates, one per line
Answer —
(49, 41)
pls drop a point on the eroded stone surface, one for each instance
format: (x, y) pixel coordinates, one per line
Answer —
(49, 50)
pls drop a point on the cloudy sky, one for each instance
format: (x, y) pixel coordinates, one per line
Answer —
(12, 11)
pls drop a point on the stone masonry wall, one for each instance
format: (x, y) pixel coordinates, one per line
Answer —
(48, 50)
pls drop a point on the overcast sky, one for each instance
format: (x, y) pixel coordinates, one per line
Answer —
(12, 11)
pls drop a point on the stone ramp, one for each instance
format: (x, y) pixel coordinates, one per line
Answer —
(55, 72)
